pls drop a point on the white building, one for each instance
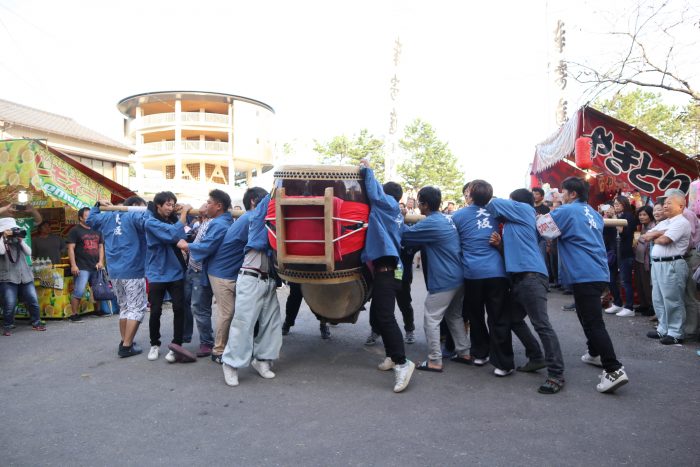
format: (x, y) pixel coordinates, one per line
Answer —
(102, 154)
(190, 142)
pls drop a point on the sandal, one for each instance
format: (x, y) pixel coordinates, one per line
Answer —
(463, 360)
(551, 386)
(424, 367)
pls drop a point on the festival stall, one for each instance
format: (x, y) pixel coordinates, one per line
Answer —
(58, 186)
(613, 156)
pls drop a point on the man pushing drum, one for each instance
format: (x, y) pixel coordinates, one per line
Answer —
(382, 247)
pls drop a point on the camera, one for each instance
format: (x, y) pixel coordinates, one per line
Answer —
(18, 233)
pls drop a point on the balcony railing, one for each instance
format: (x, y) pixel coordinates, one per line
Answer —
(185, 118)
(187, 146)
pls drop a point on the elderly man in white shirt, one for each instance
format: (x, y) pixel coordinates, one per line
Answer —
(669, 271)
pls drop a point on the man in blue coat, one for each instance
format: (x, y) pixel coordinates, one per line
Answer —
(582, 252)
(202, 253)
(256, 301)
(529, 278)
(438, 236)
(125, 248)
(382, 249)
(223, 268)
(485, 280)
(165, 267)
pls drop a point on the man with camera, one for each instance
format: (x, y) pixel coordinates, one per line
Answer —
(16, 277)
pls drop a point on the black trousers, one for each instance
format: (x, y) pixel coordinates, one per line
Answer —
(291, 309)
(156, 293)
(403, 296)
(489, 295)
(382, 318)
(590, 313)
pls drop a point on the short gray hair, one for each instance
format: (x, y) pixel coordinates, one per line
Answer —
(675, 193)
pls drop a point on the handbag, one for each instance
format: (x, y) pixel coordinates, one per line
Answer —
(101, 286)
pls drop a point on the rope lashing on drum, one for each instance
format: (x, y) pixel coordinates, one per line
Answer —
(358, 226)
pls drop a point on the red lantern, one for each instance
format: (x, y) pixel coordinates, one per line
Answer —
(583, 153)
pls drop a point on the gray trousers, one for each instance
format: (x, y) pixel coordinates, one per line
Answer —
(256, 301)
(529, 294)
(669, 280)
(447, 304)
(692, 306)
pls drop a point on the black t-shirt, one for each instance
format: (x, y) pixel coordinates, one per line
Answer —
(87, 246)
(542, 209)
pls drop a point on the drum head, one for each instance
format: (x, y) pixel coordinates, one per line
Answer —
(335, 301)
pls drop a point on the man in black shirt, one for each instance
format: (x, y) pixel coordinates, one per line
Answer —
(86, 251)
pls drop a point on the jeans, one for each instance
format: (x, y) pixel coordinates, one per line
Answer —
(669, 280)
(80, 282)
(198, 305)
(9, 293)
(590, 314)
(256, 301)
(529, 294)
(156, 294)
(490, 295)
(382, 317)
(624, 277)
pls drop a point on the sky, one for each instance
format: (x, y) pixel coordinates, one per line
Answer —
(477, 71)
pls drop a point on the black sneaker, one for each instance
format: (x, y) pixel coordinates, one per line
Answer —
(325, 332)
(670, 340)
(654, 335)
(532, 366)
(569, 307)
(75, 319)
(551, 385)
(130, 351)
(217, 359)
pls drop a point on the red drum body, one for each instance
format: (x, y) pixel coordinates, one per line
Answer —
(318, 222)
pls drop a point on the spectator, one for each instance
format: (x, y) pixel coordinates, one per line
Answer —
(16, 277)
(621, 270)
(86, 252)
(642, 262)
(48, 245)
(692, 259)
(669, 271)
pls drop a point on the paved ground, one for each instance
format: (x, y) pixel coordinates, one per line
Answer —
(69, 401)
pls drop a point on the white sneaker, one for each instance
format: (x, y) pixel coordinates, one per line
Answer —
(154, 353)
(609, 382)
(170, 357)
(595, 361)
(402, 375)
(230, 375)
(387, 364)
(613, 309)
(263, 368)
(501, 373)
(625, 313)
(481, 361)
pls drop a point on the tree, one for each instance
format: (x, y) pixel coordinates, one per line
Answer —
(660, 39)
(647, 111)
(341, 150)
(429, 161)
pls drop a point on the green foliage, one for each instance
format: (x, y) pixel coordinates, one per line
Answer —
(677, 127)
(429, 161)
(341, 150)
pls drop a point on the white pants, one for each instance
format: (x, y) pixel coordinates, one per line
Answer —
(447, 304)
(256, 301)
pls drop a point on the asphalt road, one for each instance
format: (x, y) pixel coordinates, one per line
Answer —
(68, 400)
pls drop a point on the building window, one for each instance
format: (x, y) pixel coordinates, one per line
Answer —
(169, 172)
(192, 172)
